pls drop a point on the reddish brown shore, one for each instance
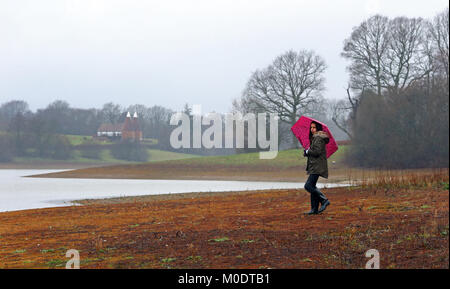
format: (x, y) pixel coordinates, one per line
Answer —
(408, 225)
(193, 171)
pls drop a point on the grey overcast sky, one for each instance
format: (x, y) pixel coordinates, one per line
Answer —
(169, 52)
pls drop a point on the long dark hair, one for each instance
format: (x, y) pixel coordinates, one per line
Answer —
(318, 128)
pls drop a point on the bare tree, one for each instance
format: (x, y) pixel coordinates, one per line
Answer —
(111, 112)
(56, 114)
(15, 115)
(439, 34)
(288, 87)
(159, 125)
(343, 112)
(387, 55)
(366, 48)
(9, 110)
(402, 64)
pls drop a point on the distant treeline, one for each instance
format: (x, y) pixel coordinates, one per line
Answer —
(396, 109)
(407, 130)
(42, 133)
(395, 114)
(399, 68)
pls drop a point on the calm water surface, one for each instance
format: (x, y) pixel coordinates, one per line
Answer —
(19, 193)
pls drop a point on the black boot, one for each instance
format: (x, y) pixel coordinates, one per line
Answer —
(320, 196)
(314, 205)
(324, 206)
(322, 200)
(312, 212)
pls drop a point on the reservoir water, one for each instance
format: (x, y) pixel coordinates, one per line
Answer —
(19, 193)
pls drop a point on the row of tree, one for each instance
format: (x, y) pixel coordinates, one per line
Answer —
(396, 108)
(395, 111)
(42, 133)
(390, 56)
(60, 118)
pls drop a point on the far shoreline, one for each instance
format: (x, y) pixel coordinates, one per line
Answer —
(177, 196)
(51, 166)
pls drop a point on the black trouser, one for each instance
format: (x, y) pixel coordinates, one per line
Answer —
(316, 195)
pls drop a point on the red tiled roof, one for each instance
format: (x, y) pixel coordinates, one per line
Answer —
(109, 127)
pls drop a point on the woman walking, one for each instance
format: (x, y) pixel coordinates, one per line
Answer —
(316, 166)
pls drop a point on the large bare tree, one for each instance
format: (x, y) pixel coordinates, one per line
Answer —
(403, 62)
(288, 87)
(366, 48)
(387, 54)
(439, 34)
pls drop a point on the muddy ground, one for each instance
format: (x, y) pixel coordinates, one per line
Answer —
(261, 229)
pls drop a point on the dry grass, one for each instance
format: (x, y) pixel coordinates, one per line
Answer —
(407, 178)
(404, 216)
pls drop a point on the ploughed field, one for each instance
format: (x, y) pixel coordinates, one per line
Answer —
(406, 219)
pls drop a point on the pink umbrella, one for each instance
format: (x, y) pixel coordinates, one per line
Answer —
(301, 131)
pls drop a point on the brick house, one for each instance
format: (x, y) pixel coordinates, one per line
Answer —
(130, 129)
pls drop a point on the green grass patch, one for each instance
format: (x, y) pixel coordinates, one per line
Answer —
(28, 261)
(247, 241)
(106, 157)
(160, 155)
(78, 139)
(223, 239)
(194, 258)
(56, 263)
(284, 159)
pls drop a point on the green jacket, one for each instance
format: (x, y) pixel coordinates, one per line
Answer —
(317, 155)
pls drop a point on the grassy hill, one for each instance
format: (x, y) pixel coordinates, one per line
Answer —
(289, 165)
(76, 140)
(284, 159)
(106, 158)
(104, 152)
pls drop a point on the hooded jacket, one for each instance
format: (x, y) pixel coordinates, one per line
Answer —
(317, 155)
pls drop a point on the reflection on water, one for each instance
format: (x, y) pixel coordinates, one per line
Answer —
(19, 193)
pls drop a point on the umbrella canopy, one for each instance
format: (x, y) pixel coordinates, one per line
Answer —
(301, 130)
